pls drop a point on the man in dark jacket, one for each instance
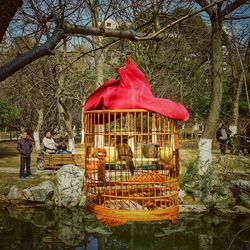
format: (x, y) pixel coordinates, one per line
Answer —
(222, 135)
(24, 146)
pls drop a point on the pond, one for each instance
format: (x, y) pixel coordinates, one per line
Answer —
(57, 228)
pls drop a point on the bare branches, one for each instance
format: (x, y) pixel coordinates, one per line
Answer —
(31, 55)
(66, 28)
(182, 19)
(203, 4)
(233, 6)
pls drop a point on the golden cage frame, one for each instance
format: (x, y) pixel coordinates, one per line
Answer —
(142, 185)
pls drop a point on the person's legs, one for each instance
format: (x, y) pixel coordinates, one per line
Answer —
(223, 146)
(28, 166)
(22, 166)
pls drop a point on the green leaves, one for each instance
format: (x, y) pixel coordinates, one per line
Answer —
(9, 113)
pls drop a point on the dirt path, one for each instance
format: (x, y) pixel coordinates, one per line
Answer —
(10, 158)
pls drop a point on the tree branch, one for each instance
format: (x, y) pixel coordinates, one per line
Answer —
(31, 55)
(204, 3)
(232, 6)
(236, 17)
(71, 29)
(182, 19)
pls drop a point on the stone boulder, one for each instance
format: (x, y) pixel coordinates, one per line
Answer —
(15, 194)
(41, 193)
(241, 190)
(69, 187)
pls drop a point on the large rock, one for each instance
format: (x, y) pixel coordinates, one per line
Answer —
(15, 194)
(41, 193)
(243, 185)
(69, 187)
(241, 190)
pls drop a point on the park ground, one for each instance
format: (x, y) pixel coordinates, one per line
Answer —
(239, 166)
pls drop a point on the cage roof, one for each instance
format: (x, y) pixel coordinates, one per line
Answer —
(132, 91)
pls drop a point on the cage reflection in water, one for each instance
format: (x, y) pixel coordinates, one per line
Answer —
(132, 166)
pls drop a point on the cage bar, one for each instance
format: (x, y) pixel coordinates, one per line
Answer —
(131, 165)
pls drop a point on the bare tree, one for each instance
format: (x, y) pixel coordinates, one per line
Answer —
(57, 20)
(217, 15)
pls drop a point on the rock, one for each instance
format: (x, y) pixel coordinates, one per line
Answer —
(241, 190)
(245, 199)
(41, 193)
(69, 187)
(241, 209)
(182, 195)
(192, 208)
(241, 184)
(46, 177)
(15, 194)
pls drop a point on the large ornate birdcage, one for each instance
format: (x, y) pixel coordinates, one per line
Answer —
(131, 165)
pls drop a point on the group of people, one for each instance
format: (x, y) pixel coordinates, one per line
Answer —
(51, 147)
(24, 146)
(234, 142)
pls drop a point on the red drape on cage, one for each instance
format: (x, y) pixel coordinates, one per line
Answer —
(132, 91)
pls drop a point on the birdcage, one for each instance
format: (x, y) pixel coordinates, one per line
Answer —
(131, 166)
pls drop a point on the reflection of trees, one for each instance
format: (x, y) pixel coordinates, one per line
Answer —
(63, 228)
(191, 232)
(59, 226)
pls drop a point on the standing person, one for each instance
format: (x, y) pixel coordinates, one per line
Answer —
(222, 136)
(125, 154)
(24, 146)
(50, 146)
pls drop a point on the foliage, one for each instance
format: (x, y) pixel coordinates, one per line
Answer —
(9, 113)
(190, 174)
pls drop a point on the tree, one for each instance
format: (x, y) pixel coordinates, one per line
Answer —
(57, 20)
(239, 68)
(9, 114)
(217, 15)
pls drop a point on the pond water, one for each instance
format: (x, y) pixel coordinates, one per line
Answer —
(40, 228)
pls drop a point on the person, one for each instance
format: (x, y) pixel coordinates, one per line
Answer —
(222, 135)
(24, 146)
(63, 150)
(50, 146)
(125, 154)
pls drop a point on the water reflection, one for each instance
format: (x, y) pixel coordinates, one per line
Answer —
(39, 228)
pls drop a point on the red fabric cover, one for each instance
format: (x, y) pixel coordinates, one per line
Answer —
(132, 91)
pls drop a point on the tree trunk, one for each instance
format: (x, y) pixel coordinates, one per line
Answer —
(235, 105)
(238, 79)
(64, 114)
(82, 119)
(8, 10)
(205, 144)
(97, 43)
(36, 132)
(99, 60)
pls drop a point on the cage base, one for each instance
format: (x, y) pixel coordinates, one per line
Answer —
(113, 217)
